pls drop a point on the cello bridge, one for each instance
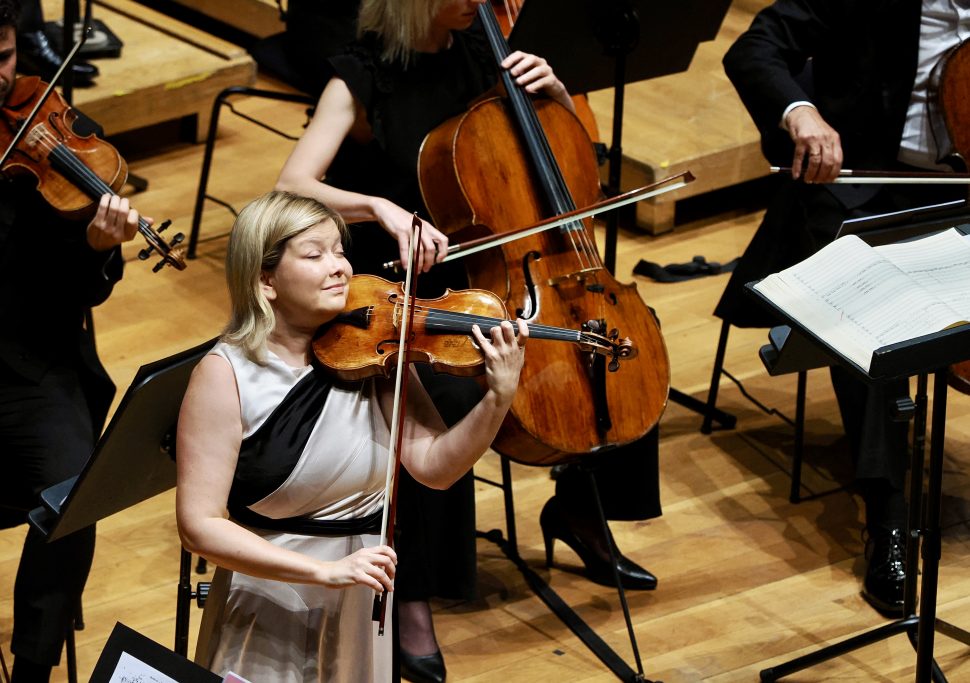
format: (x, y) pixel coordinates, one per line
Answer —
(577, 275)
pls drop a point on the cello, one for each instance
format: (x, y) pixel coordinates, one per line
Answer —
(569, 403)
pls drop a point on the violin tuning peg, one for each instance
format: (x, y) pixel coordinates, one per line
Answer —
(145, 253)
(177, 239)
(158, 266)
(163, 226)
(614, 364)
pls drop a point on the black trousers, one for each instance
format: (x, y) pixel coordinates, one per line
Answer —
(46, 436)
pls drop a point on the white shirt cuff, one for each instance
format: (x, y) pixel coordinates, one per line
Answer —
(783, 124)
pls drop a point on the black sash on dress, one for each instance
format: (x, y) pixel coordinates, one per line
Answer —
(267, 458)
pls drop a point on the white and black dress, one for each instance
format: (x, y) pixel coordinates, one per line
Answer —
(310, 478)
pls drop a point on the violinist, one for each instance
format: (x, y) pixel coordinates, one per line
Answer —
(833, 83)
(300, 459)
(415, 64)
(54, 392)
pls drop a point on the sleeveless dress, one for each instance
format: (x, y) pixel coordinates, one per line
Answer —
(294, 468)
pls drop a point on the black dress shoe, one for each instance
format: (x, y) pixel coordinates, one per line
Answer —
(35, 56)
(598, 568)
(886, 571)
(422, 668)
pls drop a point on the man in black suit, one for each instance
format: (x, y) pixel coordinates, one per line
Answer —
(833, 83)
(54, 392)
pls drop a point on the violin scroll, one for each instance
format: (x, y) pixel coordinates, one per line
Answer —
(609, 345)
(172, 254)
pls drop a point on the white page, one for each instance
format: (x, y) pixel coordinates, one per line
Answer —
(132, 670)
(854, 299)
(940, 264)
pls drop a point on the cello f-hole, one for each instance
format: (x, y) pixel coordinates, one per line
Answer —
(530, 287)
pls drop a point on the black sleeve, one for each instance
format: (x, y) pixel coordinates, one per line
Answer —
(764, 62)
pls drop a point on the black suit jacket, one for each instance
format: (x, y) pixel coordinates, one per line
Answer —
(863, 58)
(863, 64)
(49, 277)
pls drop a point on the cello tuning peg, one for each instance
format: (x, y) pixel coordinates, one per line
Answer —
(164, 226)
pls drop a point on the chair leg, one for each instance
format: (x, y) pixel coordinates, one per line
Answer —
(794, 494)
(715, 378)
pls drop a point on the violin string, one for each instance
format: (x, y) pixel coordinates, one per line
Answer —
(442, 319)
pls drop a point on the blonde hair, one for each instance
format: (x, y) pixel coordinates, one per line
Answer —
(256, 244)
(401, 24)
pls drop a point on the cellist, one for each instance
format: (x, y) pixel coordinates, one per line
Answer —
(862, 104)
(415, 64)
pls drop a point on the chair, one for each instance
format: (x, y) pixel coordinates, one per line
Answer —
(224, 99)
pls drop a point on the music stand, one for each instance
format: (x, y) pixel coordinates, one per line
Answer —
(928, 354)
(611, 43)
(133, 460)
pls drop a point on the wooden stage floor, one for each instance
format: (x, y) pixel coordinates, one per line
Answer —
(747, 579)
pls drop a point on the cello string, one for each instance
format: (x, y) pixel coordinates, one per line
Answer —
(533, 135)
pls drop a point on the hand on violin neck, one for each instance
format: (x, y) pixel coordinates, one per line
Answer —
(504, 352)
(818, 147)
(397, 222)
(535, 75)
(114, 222)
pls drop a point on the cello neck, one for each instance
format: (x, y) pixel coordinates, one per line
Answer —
(544, 164)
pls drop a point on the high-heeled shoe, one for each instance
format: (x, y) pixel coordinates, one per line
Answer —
(598, 568)
(422, 668)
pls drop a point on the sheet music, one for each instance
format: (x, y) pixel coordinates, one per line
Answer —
(853, 297)
(940, 264)
(132, 670)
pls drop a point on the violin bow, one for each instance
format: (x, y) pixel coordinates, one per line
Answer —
(456, 251)
(858, 177)
(398, 412)
(67, 62)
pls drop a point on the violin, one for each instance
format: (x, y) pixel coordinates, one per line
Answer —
(362, 341)
(72, 171)
(567, 403)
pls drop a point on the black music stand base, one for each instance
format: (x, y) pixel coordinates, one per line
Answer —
(582, 630)
(920, 628)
